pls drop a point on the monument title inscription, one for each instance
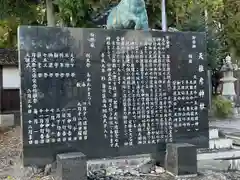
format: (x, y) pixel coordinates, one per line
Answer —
(110, 93)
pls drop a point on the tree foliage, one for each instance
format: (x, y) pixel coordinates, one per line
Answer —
(154, 13)
(13, 13)
(200, 16)
(75, 13)
(230, 20)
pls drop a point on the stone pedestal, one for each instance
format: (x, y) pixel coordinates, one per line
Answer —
(71, 166)
(181, 159)
(228, 89)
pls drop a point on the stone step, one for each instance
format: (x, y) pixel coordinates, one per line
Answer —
(225, 154)
(221, 143)
(235, 137)
(218, 165)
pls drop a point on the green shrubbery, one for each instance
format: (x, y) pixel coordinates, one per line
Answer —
(222, 107)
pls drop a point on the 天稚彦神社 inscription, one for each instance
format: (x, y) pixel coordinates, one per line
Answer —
(105, 93)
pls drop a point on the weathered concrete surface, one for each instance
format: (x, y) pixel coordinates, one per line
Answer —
(208, 170)
(230, 128)
(228, 125)
(219, 154)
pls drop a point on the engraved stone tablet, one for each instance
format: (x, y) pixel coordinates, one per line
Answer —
(106, 94)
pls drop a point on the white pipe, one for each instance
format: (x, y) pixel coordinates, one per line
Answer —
(164, 18)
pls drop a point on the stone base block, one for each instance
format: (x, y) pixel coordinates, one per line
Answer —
(71, 166)
(220, 143)
(213, 133)
(6, 120)
(181, 159)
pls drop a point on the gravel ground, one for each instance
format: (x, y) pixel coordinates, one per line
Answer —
(10, 150)
(11, 169)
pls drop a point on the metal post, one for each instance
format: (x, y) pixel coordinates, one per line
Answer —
(50, 13)
(209, 73)
(164, 18)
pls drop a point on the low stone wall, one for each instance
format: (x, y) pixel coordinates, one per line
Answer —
(15, 115)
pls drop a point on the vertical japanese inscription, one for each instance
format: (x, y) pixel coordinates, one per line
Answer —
(109, 80)
(141, 69)
(188, 92)
(55, 124)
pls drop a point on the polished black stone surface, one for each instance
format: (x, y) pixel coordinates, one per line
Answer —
(110, 93)
(181, 159)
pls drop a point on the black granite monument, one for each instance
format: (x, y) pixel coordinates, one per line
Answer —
(110, 93)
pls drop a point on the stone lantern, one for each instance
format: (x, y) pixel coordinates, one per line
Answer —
(228, 89)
